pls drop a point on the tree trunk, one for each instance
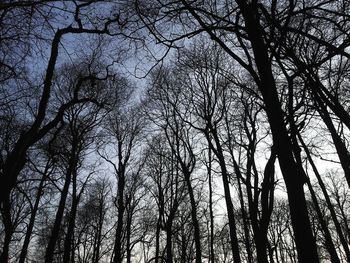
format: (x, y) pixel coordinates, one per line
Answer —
(59, 214)
(331, 101)
(169, 249)
(156, 257)
(217, 149)
(197, 238)
(342, 151)
(305, 241)
(328, 237)
(8, 229)
(183, 246)
(30, 226)
(121, 208)
(211, 214)
(16, 159)
(260, 241)
(267, 197)
(128, 235)
(245, 223)
(71, 224)
(97, 246)
(328, 201)
(296, 149)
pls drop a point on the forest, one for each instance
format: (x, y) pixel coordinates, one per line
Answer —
(177, 131)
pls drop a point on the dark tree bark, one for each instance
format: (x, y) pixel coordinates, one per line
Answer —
(211, 213)
(98, 243)
(327, 198)
(296, 149)
(305, 241)
(169, 233)
(71, 223)
(16, 158)
(326, 97)
(118, 250)
(218, 151)
(343, 153)
(259, 223)
(68, 242)
(247, 242)
(30, 226)
(158, 228)
(128, 236)
(173, 210)
(50, 250)
(160, 211)
(328, 237)
(197, 235)
(8, 229)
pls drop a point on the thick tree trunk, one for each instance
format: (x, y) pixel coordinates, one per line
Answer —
(128, 248)
(296, 149)
(16, 159)
(57, 225)
(169, 245)
(305, 241)
(306, 245)
(8, 229)
(169, 233)
(329, 243)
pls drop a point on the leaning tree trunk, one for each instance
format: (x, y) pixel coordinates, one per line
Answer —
(342, 151)
(297, 150)
(328, 200)
(304, 239)
(328, 237)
